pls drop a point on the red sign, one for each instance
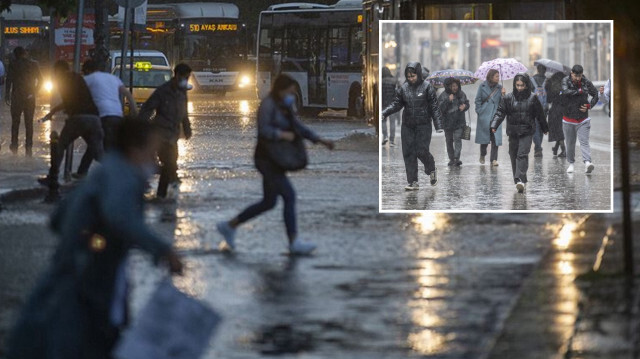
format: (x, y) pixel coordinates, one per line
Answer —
(65, 37)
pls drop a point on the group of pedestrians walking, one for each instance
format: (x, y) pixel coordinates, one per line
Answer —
(557, 106)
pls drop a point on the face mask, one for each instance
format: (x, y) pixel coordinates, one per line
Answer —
(183, 84)
(289, 100)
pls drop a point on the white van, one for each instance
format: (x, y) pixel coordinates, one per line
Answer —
(154, 57)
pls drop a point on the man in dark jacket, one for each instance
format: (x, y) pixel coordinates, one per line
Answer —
(539, 83)
(453, 104)
(388, 93)
(576, 89)
(169, 101)
(418, 98)
(82, 121)
(23, 81)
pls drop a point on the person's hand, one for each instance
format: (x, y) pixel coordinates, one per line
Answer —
(175, 262)
(493, 130)
(461, 108)
(328, 143)
(287, 136)
(602, 89)
(504, 91)
(46, 118)
(583, 108)
(451, 97)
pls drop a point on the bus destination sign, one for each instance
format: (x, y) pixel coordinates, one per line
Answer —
(212, 27)
(21, 30)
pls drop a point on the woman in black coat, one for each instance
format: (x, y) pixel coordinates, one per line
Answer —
(554, 98)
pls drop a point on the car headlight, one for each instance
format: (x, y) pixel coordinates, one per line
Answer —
(48, 86)
(244, 81)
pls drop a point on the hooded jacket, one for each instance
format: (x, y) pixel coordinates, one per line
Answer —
(170, 106)
(575, 95)
(388, 87)
(452, 116)
(521, 109)
(418, 100)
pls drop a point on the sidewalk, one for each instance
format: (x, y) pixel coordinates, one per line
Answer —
(578, 303)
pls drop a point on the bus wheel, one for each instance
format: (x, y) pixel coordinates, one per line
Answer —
(355, 108)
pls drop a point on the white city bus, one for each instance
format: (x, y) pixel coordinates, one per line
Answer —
(320, 47)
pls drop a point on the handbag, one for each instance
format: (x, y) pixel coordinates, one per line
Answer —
(288, 155)
(466, 130)
(490, 95)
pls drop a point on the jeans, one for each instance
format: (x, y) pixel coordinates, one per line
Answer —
(274, 183)
(581, 132)
(168, 157)
(453, 138)
(519, 147)
(415, 145)
(109, 128)
(537, 138)
(494, 149)
(85, 126)
(392, 127)
(17, 109)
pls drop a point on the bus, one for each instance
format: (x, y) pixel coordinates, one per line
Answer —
(24, 26)
(209, 37)
(375, 10)
(320, 46)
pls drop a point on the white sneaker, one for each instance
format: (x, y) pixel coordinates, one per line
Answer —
(588, 167)
(228, 233)
(520, 187)
(300, 247)
(412, 187)
(570, 168)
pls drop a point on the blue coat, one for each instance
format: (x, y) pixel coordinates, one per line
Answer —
(485, 112)
(72, 304)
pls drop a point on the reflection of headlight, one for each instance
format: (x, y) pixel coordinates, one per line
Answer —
(48, 86)
(244, 81)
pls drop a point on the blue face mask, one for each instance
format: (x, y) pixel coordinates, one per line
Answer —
(289, 100)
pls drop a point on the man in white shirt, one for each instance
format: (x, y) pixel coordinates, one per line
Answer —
(107, 91)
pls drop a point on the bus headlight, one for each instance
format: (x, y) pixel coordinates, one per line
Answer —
(244, 81)
(48, 86)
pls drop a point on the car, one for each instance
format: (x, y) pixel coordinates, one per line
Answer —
(156, 58)
(146, 78)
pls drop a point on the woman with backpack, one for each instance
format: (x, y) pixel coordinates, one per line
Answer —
(487, 101)
(277, 125)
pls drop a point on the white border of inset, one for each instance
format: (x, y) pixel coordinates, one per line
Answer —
(612, 163)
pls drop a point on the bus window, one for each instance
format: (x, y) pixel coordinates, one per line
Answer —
(355, 51)
(339, 48)
(456, 12)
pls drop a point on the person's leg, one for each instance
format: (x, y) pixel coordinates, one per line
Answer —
(583, 131)
(494, 148)
(29, 110)
(409, 153)
(522, 160)
(392, 128)
(537, 139)
(16, 112)
(69, 133)
(570, 141)
(109, 127)
(457, 143)
(164, 156)
(563, 149)
(288, 194)
(423, 141)
(384, 129)
(513, 155)
(483, 150)
(269, 200)
(93, 135)
(448, 138)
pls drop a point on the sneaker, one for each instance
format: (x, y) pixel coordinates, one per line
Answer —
(562, 154)
(482, 159)
(412, 186)
(570, 168)
(298, 247)
(458, 163)
(555, 152)
(433, 176)
(520, 187)
(494, 163)
(588, 167)
(451, 163)
(392, 144)
(384, 142)
(538, 154)
(228, 233)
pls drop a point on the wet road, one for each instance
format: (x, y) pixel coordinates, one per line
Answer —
(474, 186)
(379, 286)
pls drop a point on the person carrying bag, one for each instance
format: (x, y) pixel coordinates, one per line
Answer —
(280, 149)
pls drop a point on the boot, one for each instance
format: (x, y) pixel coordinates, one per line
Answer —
(555, 149)
(562, 150)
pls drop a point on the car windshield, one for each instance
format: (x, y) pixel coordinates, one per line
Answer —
(154, 60)
(150, 78)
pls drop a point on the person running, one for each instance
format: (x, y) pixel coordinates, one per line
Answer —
(453, 105)
(169, 101)
(576, 124)
(107, 91)
(82, 121)
(22, 85)
(277, 121)
(539, 82)
(522, 110)
(418, 98)
(79, 306)
(554, 98)
(388, 91)
(487, 100)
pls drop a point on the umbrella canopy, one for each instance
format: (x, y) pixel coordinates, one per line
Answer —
(464, 76)
(507, 67)
(553, 66)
